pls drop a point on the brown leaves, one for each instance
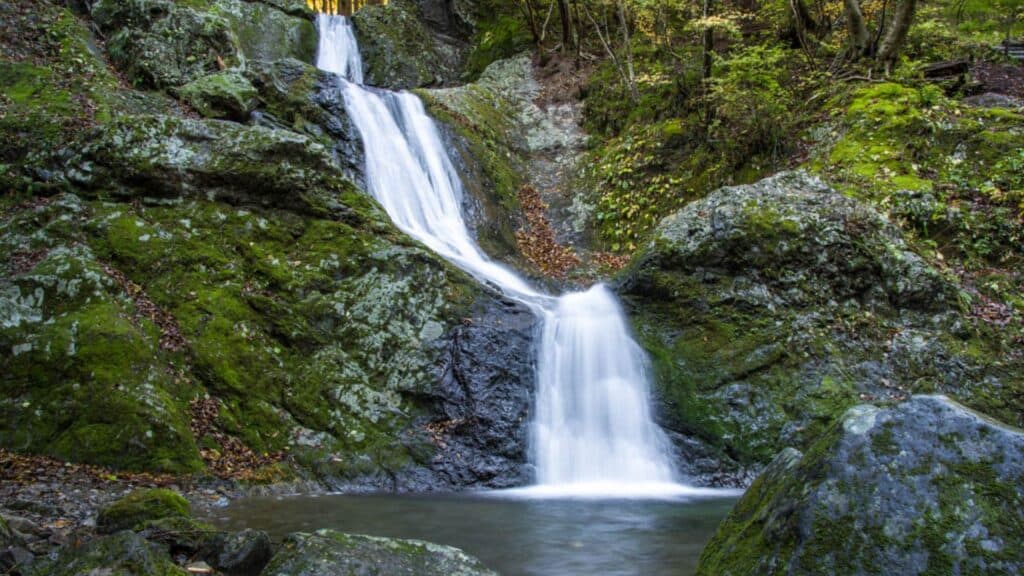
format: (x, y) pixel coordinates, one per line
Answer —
(171, 338)
(537, 239)
(233, 460)
(438, 430)
(27, 469)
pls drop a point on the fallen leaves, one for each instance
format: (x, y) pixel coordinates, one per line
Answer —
(537, 239)
(234, 460)
(171, 338)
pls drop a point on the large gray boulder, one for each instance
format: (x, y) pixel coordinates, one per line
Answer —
(330, 553)
(769, 309)
(923, 487)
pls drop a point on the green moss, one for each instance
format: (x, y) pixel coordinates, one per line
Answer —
(487, 122)
(140, 507)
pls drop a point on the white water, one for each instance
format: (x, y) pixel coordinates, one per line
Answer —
(592, 434)
(337, 50)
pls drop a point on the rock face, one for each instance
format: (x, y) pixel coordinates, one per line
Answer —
(165, 156)
(269, 30)
(188, 288)
(330, 553)
(770, 309)
(923, 487)
(400, 52)
(161, 44)
(296, 96)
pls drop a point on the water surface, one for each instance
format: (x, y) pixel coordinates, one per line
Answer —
(511, 535)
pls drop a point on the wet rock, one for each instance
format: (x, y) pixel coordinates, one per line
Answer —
(240, 553)
(297, 96)
(769, 309)
(330, 553)
(483, 402)
(223, 95)
(925, 486)
(162, 44)
(141, 506)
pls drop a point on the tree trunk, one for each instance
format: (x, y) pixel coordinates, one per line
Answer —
(531, 17)
(709, 41)
(628, 47)
(860, 38)
(897, 34)
(563, 13)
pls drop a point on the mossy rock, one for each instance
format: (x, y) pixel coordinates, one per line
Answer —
(169, 157)
(328, 553)
(770, 309)
(181, 534)
(161, 44)
(84, 379)
(223, 95)
(297, 96)
(923, 487)
(140, 507)
(399, 52)
(122, 554)
(269, 30)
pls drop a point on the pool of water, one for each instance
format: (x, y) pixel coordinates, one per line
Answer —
(514, 536)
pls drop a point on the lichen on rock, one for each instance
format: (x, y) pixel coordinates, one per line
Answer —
(327, 552)
(926, 486)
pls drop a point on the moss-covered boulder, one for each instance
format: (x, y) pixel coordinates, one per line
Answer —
(170, 157)
(85, 376)
(399, 52)
(123, 554)
(770, 309)
(141, 506)
(160, 44)
(331, 553)
(297, 96)
(222, 95)
(268, 30)
(923, 487)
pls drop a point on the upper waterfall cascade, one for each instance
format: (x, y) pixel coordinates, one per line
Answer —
(592, 432)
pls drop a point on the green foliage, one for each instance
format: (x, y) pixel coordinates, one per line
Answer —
(752, 106)
(637, 183)
(502, 37)
(950, 174)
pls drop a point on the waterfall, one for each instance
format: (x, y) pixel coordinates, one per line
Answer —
(592, 432)
(337, 50)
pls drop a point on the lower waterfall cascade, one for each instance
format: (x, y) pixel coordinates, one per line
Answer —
(592, 432)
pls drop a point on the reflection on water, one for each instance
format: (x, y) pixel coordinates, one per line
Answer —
(513, 536)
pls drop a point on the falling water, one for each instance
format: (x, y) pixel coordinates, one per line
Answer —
(337, 50)
(592, 432)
